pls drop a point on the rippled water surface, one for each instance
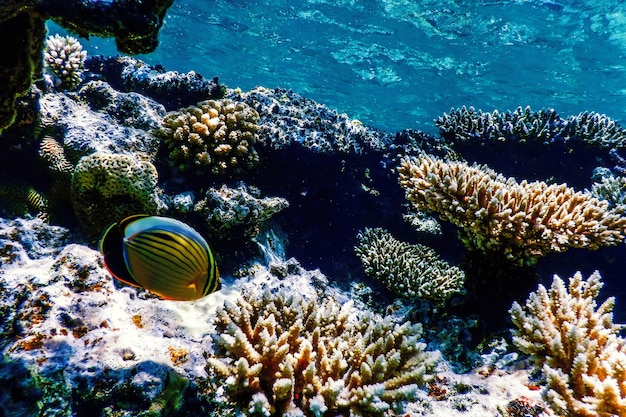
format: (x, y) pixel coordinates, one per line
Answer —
(400, 64)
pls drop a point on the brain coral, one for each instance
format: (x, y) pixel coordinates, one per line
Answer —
(108, 187)
(284, 355)
(65, 59)
(214, 136)
(524, 221)
(407, 270)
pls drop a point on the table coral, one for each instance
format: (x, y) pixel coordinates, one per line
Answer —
(108, 187)
(407, 270)
(214, 136)
(280, 354)
(65, 59)
(577, 346)
(524, 221)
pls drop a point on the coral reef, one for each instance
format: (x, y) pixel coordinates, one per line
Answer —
(64, 58)
(407, 270)
(133, 25)
(108, 187)
(59, 193)
(280, 354)
(170, 88)
(525, 125)
(99, 118)
(215, 136)
(577, 346)
(526, 143)
(69, 339)
(229, 212)
(289, 118)
(523, 221)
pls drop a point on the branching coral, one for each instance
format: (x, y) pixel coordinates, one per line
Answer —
(65, 59)
(524, 221)
(284, 355)
(213, 136)
(407, 270)
(108, 187)
(612, 189)
(577, 345)
(524, 125)
(134, 25)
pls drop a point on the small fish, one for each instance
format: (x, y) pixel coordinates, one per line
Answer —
(163, 255)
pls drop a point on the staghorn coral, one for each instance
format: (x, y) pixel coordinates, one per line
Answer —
(524, 221)
(65, 59)
(577, 346)
(407, 270)
(108, 187)
(612, 189)
(214, 136)
(525, 125)
(284, 355)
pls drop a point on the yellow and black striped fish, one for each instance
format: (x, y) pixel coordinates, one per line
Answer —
(163, 255)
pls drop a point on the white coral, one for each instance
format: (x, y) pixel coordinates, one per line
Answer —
(577, 345)
(65, 59)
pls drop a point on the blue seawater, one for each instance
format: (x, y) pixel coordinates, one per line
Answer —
(396, 64)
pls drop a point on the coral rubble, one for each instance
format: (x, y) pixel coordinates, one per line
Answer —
(576, 345)
(407, 270)
(280, 354)
(523, 221)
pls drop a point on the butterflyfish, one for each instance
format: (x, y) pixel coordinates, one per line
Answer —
(163, 255)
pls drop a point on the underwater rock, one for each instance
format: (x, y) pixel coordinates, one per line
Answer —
(170, 88)
(228, 212)
(288, 118)
(101, 119)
